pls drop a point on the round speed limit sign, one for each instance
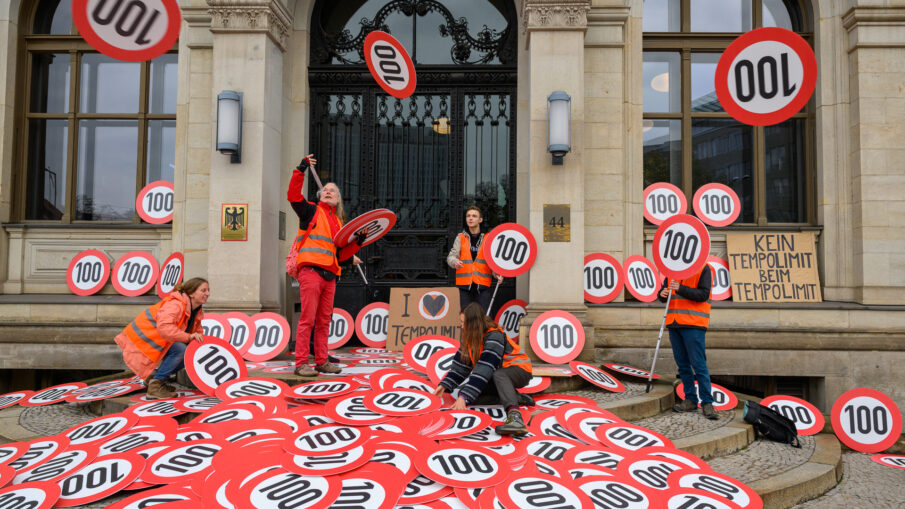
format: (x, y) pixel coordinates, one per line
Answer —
(142, 30)
(390, 65)
(510, 249)
(557, 337)
(341, 328)
(242, 330)
(154, 203)
(766, 76)
(641, 278)
(662, 201)
(716, 204)
(170, 274)
(135, 273)
(510, 317)
(721, 287)
(271, 337)
(603, 278)
(681, 246)
(371, 324)
(214, 324)
(808, 420)
(88, 272)
(866, 420)
(212, 363)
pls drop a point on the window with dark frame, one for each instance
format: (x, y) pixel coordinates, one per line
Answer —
(96, 129)
(690, 141)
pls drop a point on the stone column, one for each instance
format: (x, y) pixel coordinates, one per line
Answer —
(249, 37)
(555, 39)
(876, 55)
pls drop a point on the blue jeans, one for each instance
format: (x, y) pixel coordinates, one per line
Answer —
(688, 351)
(172, 361)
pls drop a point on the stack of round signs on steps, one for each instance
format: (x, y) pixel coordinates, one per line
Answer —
(377, 440)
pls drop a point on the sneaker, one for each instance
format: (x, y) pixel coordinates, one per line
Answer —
(305, 370)
(328, 367)
(525, 400)
(709, 412)
(514, 424)
(685, 406)
(158, 390)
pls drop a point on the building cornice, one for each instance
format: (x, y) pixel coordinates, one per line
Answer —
(251, 16)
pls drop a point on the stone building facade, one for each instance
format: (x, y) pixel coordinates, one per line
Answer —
(288, 61)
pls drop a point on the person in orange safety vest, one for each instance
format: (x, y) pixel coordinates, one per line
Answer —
(473, 276)
(159, 335)
(487, 370)
(687, 318)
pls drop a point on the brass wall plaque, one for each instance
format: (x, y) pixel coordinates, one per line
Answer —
(557, 223)
(234, 221)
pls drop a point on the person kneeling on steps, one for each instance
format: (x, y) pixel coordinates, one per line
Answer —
(487, 369)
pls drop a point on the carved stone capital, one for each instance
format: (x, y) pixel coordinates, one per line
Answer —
(251, 16)
(555, 14)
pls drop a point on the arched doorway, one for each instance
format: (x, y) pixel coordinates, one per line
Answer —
(428, 157)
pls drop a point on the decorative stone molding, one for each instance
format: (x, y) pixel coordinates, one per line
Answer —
(875, 27)
(251, 16)
(555, 15)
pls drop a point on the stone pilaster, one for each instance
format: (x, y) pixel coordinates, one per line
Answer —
(248, 42)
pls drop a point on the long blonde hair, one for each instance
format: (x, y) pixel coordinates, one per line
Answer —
(339, 210)
(476, 324)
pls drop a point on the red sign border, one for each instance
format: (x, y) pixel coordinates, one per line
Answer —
(808, 83)
(175, 256)
(346, 234)
(736, 204)
(702, 232)
(277, 350)
(174, 20)
(504, 307)
(579, 337)
(145, 190)
(683, 202)
(894, 432)
(100, 285)
(376, 36)
(190, 367)
(151, 280)
(351, 329)
(819, 420)
(620, 276)
(488, 241)
(620, 387)
(360, 318)
(658, 278)
(711, 260)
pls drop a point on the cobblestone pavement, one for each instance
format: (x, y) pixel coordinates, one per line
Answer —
(865, 484)
(674, 425)
(53, 419)
(763, 458)
(604, 396)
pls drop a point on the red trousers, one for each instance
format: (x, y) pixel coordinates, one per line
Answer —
(317, 307)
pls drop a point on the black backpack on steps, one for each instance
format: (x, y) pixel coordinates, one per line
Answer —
(771, 424)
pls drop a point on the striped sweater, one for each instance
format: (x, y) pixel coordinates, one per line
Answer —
(476, 378)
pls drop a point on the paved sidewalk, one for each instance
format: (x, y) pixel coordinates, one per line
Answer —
(865, 484)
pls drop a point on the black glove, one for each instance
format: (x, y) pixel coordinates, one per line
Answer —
(303, 165)
(361, 237)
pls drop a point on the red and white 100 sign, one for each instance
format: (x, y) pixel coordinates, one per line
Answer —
(716, 204)
(663, 200)
(88, 272)
(866, 420)
(602, 278)
(681, 246)
(557, 337)
(132, 30)
(135, 273)
(390, 64)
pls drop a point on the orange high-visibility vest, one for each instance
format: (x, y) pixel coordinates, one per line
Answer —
(684, 311)
(318, 248)
(513, 358)
(472, 271)
(143, 333)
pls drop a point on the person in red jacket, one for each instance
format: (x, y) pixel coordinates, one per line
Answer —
(318, 262)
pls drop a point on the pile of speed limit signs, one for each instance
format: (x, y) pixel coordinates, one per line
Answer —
(374, 436)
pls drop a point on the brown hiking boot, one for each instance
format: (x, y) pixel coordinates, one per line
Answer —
(709, 412)
(514, 424)
(158, 390)
(328, 367)
(305, 370)
(685, 406)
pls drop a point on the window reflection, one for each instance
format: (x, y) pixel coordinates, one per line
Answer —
(161, 150)
(703, 91)
(662, 151)
(661, 77)
(163, 84)
(54, 17)
(778, 14)
(109, 85)
(106, 170)
(662, 16)
(47, 169)
(784, 160)
(50, 83)
(721, 16)
(721, 151)
(487, 133)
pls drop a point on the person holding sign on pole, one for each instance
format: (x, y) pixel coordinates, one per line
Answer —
(473, 276)
(317, 265)
(159, 335)
(487, 369)
(687, 319)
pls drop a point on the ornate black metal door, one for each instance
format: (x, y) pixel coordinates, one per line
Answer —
(427, 157)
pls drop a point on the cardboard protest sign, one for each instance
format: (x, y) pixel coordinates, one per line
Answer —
(773, 267)
(420, 311)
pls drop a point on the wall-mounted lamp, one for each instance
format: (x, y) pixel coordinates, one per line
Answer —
(559, 113)
(229, 124)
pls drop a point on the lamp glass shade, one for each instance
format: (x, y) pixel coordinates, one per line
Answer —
(559, 112)
(228, 122)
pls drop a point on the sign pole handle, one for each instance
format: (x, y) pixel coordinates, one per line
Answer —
(316, 178)
(362, 272)
(490, 306)
(653, 363)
